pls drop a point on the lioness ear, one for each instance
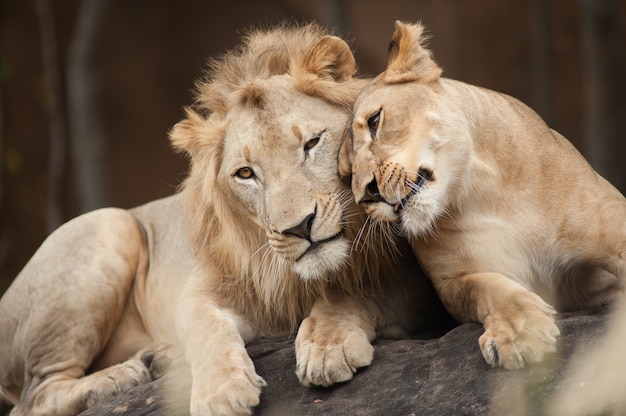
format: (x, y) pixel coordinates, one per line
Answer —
(408, 59)
(330, 58)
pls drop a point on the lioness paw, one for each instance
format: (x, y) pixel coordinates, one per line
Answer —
(520, 332)
(323, 361)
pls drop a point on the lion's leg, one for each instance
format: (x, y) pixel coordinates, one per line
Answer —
(61, 310)
(335, 340)
(224, 380)
(519, 325)
(69, 392)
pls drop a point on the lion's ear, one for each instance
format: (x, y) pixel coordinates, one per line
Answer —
(330, 58)
(408, 58)
(194, 133)
(183, 135)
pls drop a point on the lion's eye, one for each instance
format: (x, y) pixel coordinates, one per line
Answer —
(245, 173)
(310, 144)
(373, 123)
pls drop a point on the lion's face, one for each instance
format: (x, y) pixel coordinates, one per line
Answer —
(280, 164)
(264, 184)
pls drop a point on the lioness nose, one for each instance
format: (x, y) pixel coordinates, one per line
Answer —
(372, 194)
(302, 230)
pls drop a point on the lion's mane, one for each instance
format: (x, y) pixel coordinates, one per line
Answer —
(235, 251)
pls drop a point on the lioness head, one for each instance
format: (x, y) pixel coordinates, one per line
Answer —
(407, 148)
(263, 140)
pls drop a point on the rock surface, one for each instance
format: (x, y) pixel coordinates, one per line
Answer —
(441, 376)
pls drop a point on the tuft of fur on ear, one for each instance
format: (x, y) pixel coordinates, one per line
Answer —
(409, 59)
(195, 133)
(183, 135)
(322, 67)
(330, 58)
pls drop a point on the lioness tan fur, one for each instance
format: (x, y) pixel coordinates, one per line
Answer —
(505, 215)
(259, 239)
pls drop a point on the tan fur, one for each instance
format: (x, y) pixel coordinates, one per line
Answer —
(507, 209)
(113, 296)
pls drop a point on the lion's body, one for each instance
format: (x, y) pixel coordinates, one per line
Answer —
(84, 294)
(258, 239)
(499, 207)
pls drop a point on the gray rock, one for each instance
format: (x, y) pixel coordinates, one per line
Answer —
(440, 376)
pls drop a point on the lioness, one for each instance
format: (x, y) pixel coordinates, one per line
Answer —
(259, 238)
(505, 215)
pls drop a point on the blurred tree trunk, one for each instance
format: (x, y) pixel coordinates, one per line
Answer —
(336, 14)
(56, 115)
(541, 59)
(604, 89)
(87, 139)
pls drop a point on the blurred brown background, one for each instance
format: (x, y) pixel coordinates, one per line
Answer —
(89, 89)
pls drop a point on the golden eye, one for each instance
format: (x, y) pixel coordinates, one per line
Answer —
(373, 123)
(311, 143)
(244, 173)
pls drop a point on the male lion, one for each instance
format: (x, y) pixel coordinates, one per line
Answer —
(258, 239)
(501, 210)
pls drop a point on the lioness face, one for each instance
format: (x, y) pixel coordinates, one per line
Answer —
(406, 158)
(280, 166)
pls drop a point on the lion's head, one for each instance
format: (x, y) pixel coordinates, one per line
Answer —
(408, 148)
(263, 189)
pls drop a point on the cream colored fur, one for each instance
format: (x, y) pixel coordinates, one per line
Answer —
(259, 239)
(505, 215)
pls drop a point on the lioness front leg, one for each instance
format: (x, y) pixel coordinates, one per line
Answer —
(335, 340)
(519, 325)
(224, 381)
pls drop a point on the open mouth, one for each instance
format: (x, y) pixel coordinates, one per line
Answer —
(315, 245)
(423, 176)
(399, 206)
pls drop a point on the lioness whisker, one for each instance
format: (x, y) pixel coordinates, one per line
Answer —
(357, 239)
(389, 240)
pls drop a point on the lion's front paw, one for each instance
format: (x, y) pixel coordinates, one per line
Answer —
(230, 387)
(519, 332)
(330, 354)
(235, 397)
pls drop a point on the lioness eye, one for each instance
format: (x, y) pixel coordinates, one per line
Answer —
(310, 144)
(244, 173)
(373, 122)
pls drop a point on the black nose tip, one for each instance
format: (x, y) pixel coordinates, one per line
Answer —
(302, 230)
(372, 194)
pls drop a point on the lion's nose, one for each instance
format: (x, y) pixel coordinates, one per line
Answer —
(302, 230)
(372, 194)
